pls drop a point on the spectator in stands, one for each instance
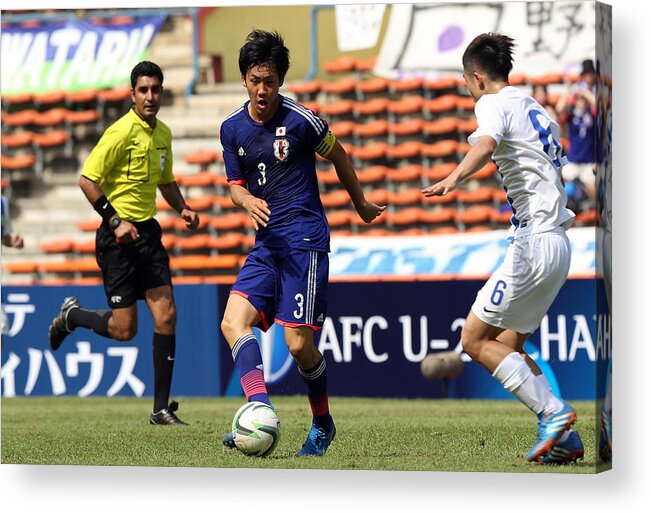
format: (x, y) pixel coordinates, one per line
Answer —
(540, 94)
(524, 143)
(577, 113)
(120, 177)
(269, 152)
(10, 239)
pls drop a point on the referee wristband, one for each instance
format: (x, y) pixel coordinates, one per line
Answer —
(104, 208)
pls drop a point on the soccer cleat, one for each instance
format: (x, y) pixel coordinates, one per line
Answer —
(567, 451)
(59, 329)
(550, 428)
(229, 440)
(605, 441)
(318, 440)
(166, 416)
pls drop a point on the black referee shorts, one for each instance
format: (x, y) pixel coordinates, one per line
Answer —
(128, 270)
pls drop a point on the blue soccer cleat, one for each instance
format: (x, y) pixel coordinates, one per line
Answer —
(605, 441)
(567, 451)
(318, 440)
(550, 428)
(229, 440)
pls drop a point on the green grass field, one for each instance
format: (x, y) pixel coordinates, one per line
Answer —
(372, 434)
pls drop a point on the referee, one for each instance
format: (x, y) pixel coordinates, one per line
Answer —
(120, 177)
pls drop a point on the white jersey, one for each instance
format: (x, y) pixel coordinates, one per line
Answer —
(529, 158)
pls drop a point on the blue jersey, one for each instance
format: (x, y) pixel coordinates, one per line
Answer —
(276, 161)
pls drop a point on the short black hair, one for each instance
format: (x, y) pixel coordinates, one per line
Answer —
(490, 53)
(146, 69)
(264, 49)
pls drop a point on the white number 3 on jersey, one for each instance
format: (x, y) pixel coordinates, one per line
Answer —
(263, 172)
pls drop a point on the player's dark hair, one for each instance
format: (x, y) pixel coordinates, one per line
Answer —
(490, 53)
(146, 69)
(264, 49)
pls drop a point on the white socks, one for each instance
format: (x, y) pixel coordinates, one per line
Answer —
(532, 391)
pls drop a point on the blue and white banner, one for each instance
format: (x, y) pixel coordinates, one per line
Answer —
(73, 55)
(444, 256)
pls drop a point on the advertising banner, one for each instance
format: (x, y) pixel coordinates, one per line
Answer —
(374, 340)
(73, 55)
(88, 364)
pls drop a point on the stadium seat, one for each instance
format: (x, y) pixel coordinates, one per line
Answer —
(545, 79)
(372, 154)
(375, 108)
(373, 131)
(71, 267)
(467, 126)
(479, 215)
(445, 127)
(235, 221)
(406, 130)
(112, 103)
(181, 230)
(84, 247)
(379, 196)
(586, 218)
(202, 158)
(23, 162)
(437, 87)
(407, 87)
(407, 107)
(204, 264)
(20, 119)
(341, 65)
(202, 204)
(20, 140)
(340, 89)
(439, 172)
(372, 176)
(306, 90)
(58, 246)
(466, 106)
(373, 87)
(230, 243)
(340, 218)
(477, 196)
(408, 152)
(359, 226)
(327, 179)
(365, 66)
(335, 199)
(404, 198)
(439, 152)
(51, 119)
(16, 102)
(445, 105)
(20, 267)
(336, 111)
(193, 244)
(409, 176)
(487, 175)
(203, 181)
(517, 79)
(344, 131)
(450, 199)
(89, 225)
(314, 106)
(407, 218)
(502, 218)
(50, 100)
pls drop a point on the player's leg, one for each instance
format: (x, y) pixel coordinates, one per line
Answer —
(120, 322)
(160, 301)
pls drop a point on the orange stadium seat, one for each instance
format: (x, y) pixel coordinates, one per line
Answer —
(201, 180)
(406, 107)
(327, 178)
(405, 198)
(339, 218)
(18, 162)
(517, 79)
(229, 243)
(193, 243)
(231, 221)
(407, 86)
(474, 216)
(371, 154)
(408, 152)
(335, 199)
(372, 87)
(406, 130)
(501, 218)
(201, 204)
(342, 88)
(54, 118)
(306, 90)
(545, 79)
(487, 172)
(21, 139)
(58, 246)
(22, 118)
(201, 158)
(50, 100)
(440, 86)
(445, 127)
(89, 225)
(410, 175)
(449, 199)
(439, 172)
(372, 175)
(83, 247)
(439, 152)
(363, 66)
(205, 264)
(441, 105)
(343, 64)
(314, 106)
(375, 108)
(480, 195)
(339, 110)
(378, 196)
(168, 240)
(375, 130)
(405, 218)
(467, 126)
(586, 218)
(17, 101)
(20, 267)
(466, 104)
(179, 227)
(343, 130)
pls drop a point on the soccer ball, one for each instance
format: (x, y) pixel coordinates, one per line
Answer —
(256, 429)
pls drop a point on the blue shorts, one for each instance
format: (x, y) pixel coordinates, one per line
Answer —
(288, 286)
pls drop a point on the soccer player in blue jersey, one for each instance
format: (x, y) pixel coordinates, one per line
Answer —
(269, 148)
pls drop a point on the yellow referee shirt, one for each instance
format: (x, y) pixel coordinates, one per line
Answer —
(129, 162)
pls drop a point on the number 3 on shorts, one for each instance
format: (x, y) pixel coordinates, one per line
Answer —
(498, 293)
(299, 302)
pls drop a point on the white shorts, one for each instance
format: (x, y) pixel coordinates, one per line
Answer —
(519, 293)
(584, 172)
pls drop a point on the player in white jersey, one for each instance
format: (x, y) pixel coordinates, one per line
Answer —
(522, 139)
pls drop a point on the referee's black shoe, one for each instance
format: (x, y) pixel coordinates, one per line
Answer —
(166, 416)
(59, 330)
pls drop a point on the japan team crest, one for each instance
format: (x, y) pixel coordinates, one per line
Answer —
(281, 149)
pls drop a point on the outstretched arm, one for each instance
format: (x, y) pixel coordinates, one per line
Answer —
(474, 160)
(367, 210)
(257, 208)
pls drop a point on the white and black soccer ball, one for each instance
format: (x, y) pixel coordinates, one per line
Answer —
(256, 429)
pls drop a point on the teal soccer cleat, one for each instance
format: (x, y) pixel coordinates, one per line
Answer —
(567, 451)
(550, 428)
(318, 440)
